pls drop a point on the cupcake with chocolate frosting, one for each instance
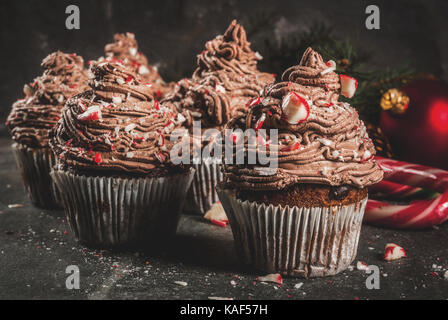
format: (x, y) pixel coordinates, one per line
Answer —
(304, 216)
(119, 183)
(224, 84)
(125, 49)
(32, 118)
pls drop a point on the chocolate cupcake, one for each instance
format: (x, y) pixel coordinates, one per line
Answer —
(303, 217)
(32, 118)
(119, 185)
(223, 85)
(125, 49)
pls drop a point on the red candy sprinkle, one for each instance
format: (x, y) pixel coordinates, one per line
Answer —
(129, 79)
(156, 105)
(97, 158)
(293, 147)
(218, 223)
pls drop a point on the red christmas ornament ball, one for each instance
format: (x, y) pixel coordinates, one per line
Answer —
(420, 134)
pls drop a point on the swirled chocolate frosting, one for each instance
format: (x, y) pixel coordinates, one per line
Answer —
(116, 127)
(125, 49)
(225, 80)
(328, 146)
(32, 117)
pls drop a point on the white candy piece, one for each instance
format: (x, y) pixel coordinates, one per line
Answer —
(366, 155)
(216, 212)
(180, 118)
(298, 285)
(133, 51)
(325, 142)
(143, 70)
(295, 108)
(130, 155)
(348, 86)
(393, 252)
(130, 127)
(117, 100)
(220, 88)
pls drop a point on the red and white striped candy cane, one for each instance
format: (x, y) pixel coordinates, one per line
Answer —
(393, 191)
(417, 214)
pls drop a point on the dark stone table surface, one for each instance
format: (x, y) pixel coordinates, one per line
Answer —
(36, 246)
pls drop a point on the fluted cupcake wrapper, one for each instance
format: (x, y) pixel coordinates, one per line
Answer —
(35, 165)
(202, 193)
(112, 212)
(307, 242)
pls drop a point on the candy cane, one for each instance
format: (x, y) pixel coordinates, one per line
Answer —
(417, 214)
(400, 192)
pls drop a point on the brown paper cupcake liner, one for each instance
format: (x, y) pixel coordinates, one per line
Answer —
(112, 211)
(35, 165)
(307, 242)
(202, 193)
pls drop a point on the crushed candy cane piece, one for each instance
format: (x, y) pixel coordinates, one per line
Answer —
(160, 156)
(331, 67)
(130, 127)
(362, 266)
(117, 100)
(260, 122)
(367, 155)
(295, 108)
(291, 147)
(254, 102)
(98, 159)
(143, 70)
(298, 285)
(273, 277)
(156, 104)
(15, 205)
(129, 79)
(180, 118)
(348, 86)
(91, 114)
(217, 215)
(393, 252)
(220, 88)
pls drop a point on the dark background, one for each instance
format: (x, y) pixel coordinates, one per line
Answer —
(172, 32)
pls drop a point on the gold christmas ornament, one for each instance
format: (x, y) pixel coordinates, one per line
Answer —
(395, 100)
